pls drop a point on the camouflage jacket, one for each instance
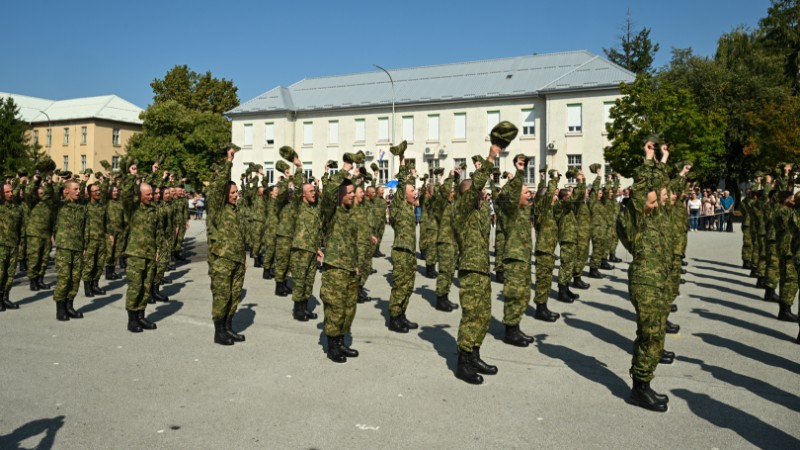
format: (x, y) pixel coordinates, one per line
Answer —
(340, 240)
(144, 233)
(96, 221)
(115, 217)
(365, 228)
(259, 209)
(42, 220)
(166, 221)
(401, 216)
(473, 223)
(567, 225)
(226, 229)
(782, 219)
(72, 230)
(10, 224)
(519, 241)
(378, 212)
(446, 232)
(547, 229)
(308, 232)
(745, 207)
(652, 249)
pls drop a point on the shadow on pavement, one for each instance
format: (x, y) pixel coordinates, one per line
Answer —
(165, 310)
(718, 263)
(749, 427)
(47, 426)
(600, 332)
(427, 294)
(730, 320)
(245, 317)
(45, 293)
(717, 269)
(98, 303)
(623, 313)
(753, 353)
(736, 306)
(444, 344)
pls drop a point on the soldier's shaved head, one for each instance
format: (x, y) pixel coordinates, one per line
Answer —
(71, 190)
(8, 192)
(145, 193)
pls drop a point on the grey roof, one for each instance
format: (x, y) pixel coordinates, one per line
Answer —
(107, 107)
(496, 78)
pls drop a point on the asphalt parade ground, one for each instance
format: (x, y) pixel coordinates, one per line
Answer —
(90, 383)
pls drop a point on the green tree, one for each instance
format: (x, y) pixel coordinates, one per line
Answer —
(781, 35)
(16, 153)
(636, 52)
(198, 92)
(775, 137)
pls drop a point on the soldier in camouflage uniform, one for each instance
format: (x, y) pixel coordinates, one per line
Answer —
(546, 240)
(599, 225)
(339, 271)
(72, 237)
(788, 271)
(94, 252)
(365, 240)
(446, 246)
(227, 258)
(379, 215)
(306, 245)
(473, 224)
(285, 231)
(10, 231)
(514, 204)
(652, 253)
(258, 222)
(165, 212)
(613, 211)
(25, 212)
(403, 259)
(772, 274)
(270, 228)
(567, 238)
(499, 232)
(794, 228)
(430, 226)
(747, 240)
(40, 233)
(116, 225)
(583, 218)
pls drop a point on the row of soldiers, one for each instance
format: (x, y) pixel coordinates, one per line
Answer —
(769, 245)
(88, 217)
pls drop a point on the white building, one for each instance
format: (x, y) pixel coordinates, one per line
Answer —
(559, 102)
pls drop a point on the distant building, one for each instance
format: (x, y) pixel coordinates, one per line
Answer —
(80, 132)
(560, 102)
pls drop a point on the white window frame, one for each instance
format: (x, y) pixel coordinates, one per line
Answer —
(460, 126)
(607, 113)
(66, 136)
(115, 163)
(433, 128)
(333, 132)
(269, 133)
(84, 135)
(575, 118)
(83, 162)
(531, 173)
(361, 130)
(492, 119)
(408, 128)
(269, 172)
(383, 171)
(248, 135)
(529, 122)
(574, 161)
(115, 137)
(383, 129)
(308, 133)
(432, 164)
(35, 137)
(307, 171)
(66, 163)
(49, 137)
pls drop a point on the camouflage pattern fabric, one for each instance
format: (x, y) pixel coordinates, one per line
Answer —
(545, 264)
(339, 296)
(651, 322)
(583, 219)
(38, 254)
(8, 266)
(116, 227)
(95, 251)
(747, 239)
(69, 266)
(283, 248)
(516, 290)
(227, 279)
(139, 273)
(403, 275)
(447, 267)
(476, 309)
(304, 271)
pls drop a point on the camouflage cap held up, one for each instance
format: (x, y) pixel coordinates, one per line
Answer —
(594, 168)
(281, 166)
(399, 149)
(438, 171)
(359, 157)
(349, 158)
(287, 153)
(520, 156)
(503, 133)
(374, 167)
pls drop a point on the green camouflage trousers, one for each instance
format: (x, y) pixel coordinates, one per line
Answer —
(581, 254)
(364, 256)
(545, 264)
(283, 251)
(164, 256)
(227, 279)
(8, 267)
(565, 270)
(114, 250)
(404, 272)
(257, 237)
(516, 290)
(747, 244)
(23, 246)
(773, 270)
(431, 256)
(94, 256)
(674, 279)
(447, 268)
(598, 250)
(651, 321)
(379, 234)
(304, 271)
(269, 248)
(140, 274)
(499, 249)
(760, 260)
(339, 295)
(38, 253)
(788, 285)
(178, 242)
(69, 266)
(475, 296)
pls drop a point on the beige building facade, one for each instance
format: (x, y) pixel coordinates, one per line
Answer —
(445, 114)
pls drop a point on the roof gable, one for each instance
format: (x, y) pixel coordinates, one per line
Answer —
(107, 107)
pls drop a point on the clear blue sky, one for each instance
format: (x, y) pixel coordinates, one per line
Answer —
(62, 50)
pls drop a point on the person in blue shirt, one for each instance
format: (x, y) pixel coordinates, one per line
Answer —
(726, 202)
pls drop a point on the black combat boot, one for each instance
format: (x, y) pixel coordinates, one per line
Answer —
(684, 263)
(362, 295)
(96, 288)
(146, 324)
(571, 294)
(465, 370)
(683, 271)
(673, 308)
(7, 301)
(87, 289)
(221, 335)
(178, 256)
(157, 296)
(613, 258)
(259, 261)
(667, 357)
(61, 311)
(480, 365)
(747, 265)
(34, 284)
(280, 290)
(133, 322)
(310, 314)
(442, 304)
(761, 283)
(287, 287)
(2, 307)
(110, 274)
(644, 396)
(770, 295)
(409, 324)
(23, 265)
(378, 254)
(514, 336)
(267, 274)
(430, 271)
(452, 305)
(42, 284)
(335, 351)
(542, 313)
(683, 281)
(345, 350)
(563, 296)
(70, 302)
(397, 325)
(605, 265)
(229, 329)
(594, 273)
(499, 277)
(298, 313)
(123, 262)
(577, 283)
(672, 328)
(785, 314)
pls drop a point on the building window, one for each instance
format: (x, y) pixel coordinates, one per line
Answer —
(607, 112)
(383, 171)
(35, 137)
(269, 133)
(457, 162)
(433, 127)
(408, 128)
(83, 135)
(383, 129)
(529, 122)
(307, 172)
(115, 163)
(361, 130)
(574, 162)
(269, 172)
(432, 164)
(49, 137)
(492, 119)
(248, 135)
(460, 126)
(333, 132)
(115, 137)
(531, 172)
(308, 133)
(83, 163)
(574, 119)
(497, 164)
(66, 136)
(66, 163)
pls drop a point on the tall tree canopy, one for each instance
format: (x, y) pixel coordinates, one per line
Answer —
(198, 92)
(635, 52)
(16, 153)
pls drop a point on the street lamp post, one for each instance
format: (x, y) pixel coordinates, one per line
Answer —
(391, 80)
